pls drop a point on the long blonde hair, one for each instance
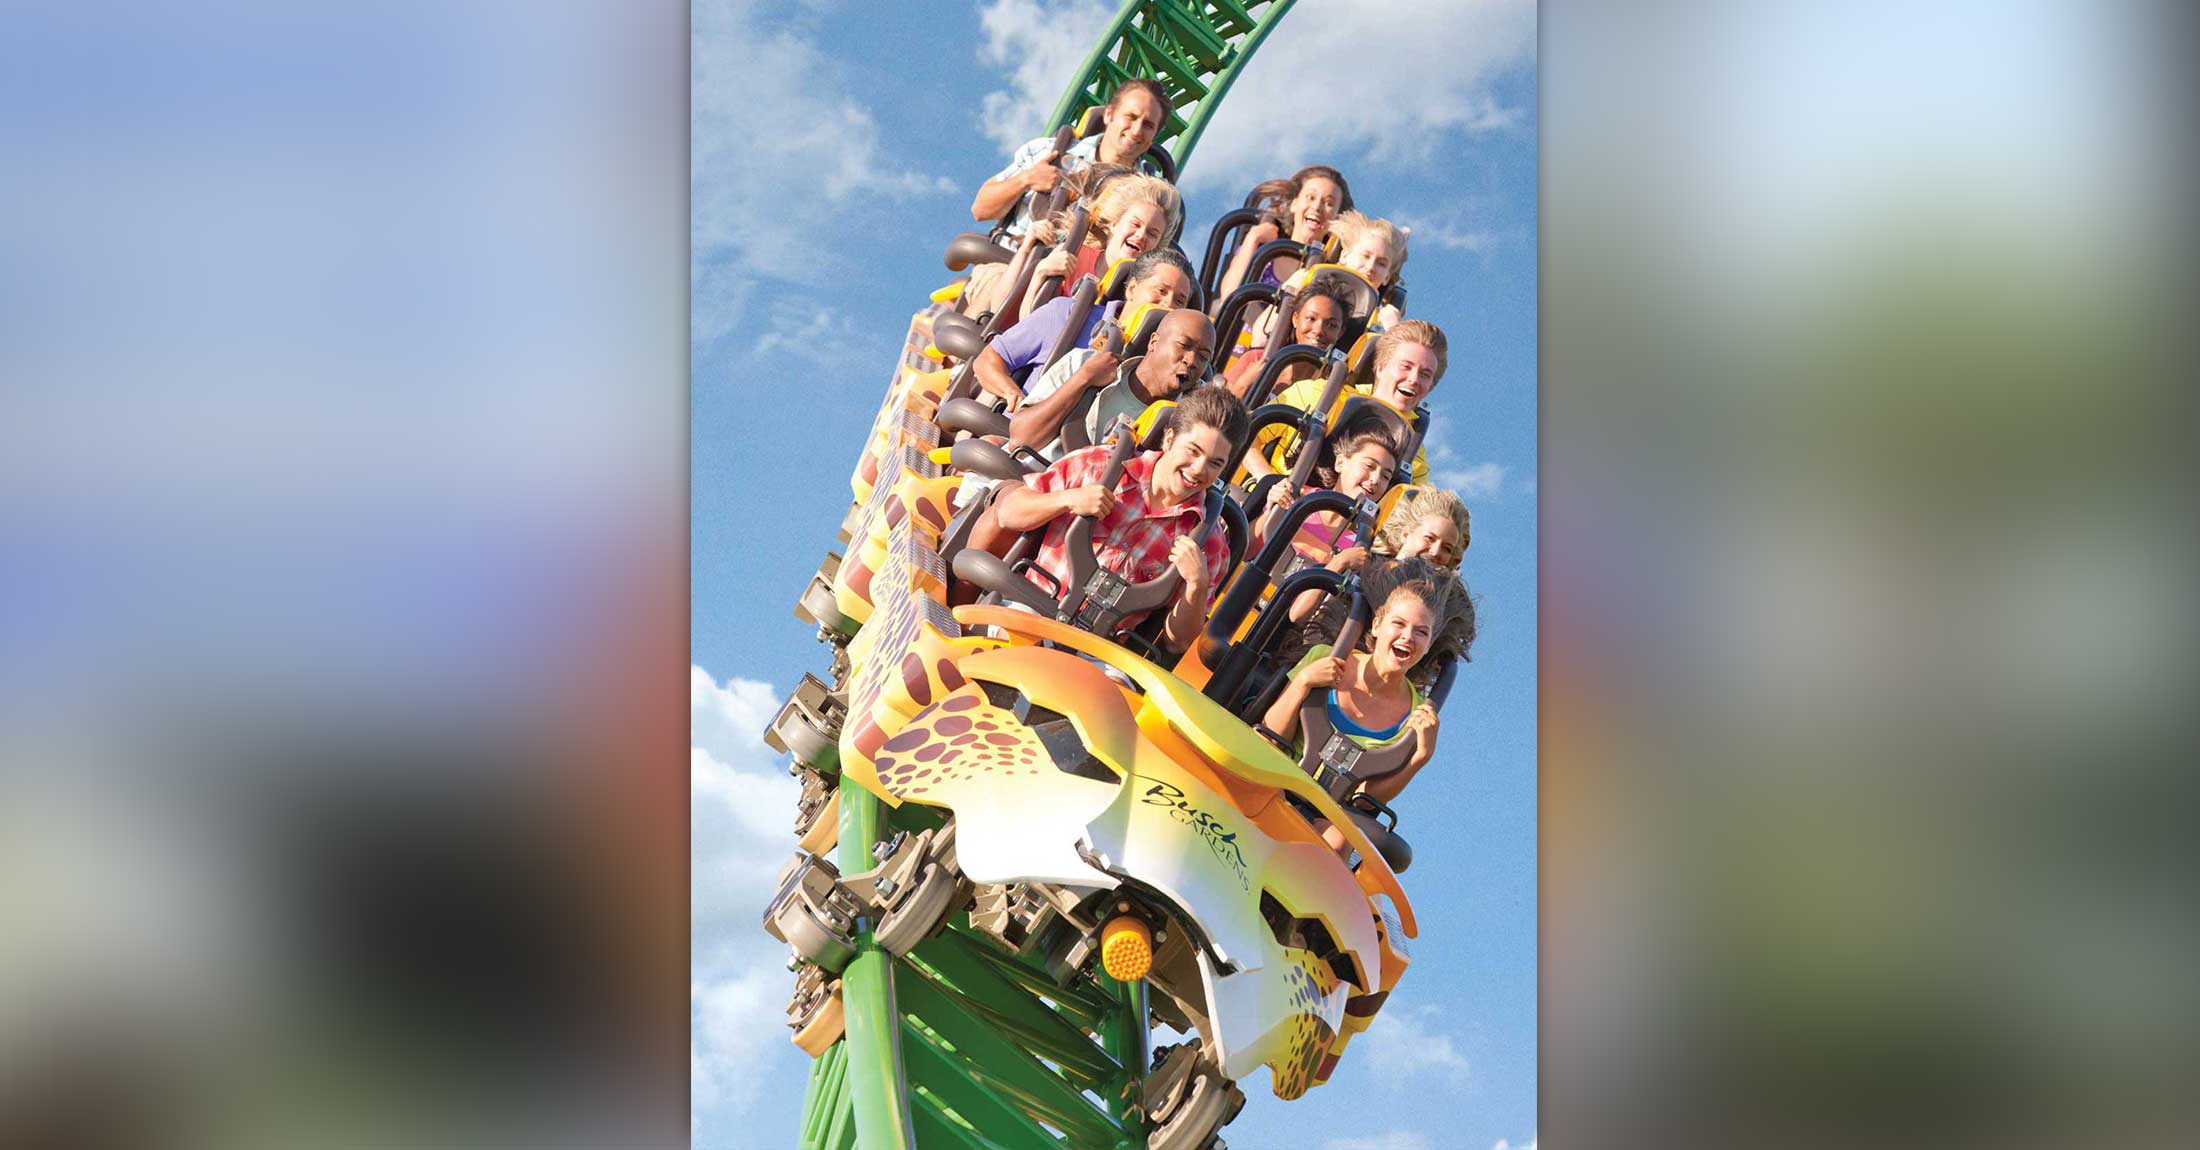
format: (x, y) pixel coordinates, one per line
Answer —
(1119, 195)
(1351, 226)
(1415, 506)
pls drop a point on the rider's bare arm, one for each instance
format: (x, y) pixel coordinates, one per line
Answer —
(1037, 422)
(992, 374)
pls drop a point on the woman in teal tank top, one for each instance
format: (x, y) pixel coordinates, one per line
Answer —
(1369, 698)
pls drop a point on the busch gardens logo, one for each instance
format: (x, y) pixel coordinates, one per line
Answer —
(1223, 843)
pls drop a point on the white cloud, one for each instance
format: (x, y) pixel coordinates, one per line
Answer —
(1461, 226)
(728, 720)
(741, 812)
(768, 116)
(742, 808)
(1481, 481)
(1041, 44)
(1386, 81)
(733, 1023)
(1389, 1140)
(1502, 1144)
(1404, 1043)
(1339, 79)
(810, 330)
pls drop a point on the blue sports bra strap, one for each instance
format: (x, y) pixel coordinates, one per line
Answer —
(1344, 724)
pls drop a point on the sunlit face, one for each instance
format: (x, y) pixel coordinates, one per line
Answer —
(1130, 125)
(1369, 256)
(1135, 233)
(1316, 204)
(1407, 377)
(1436, 539)
(1165, 286)
(1401, 632)
(1365, 472)
(1191, 460)
(1177, 355)
(1319, 321)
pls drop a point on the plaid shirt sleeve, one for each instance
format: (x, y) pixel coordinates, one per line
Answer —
(1072, 471)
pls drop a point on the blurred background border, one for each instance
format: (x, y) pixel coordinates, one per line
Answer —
(343, 500)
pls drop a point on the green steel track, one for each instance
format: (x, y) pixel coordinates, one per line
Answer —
(961, 1046)
(1195, 48)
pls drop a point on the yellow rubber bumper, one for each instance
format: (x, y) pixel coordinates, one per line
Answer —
(1126, 948)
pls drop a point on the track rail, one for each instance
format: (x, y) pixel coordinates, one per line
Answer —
(1195, 48)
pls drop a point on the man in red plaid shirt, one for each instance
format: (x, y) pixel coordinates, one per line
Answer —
(1146, 523)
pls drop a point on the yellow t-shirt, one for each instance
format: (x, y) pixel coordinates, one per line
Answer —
(1277, 443)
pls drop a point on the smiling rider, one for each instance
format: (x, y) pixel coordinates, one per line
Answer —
(1134, 116)
(1145, 523)
(1409, 363)
(1176, 359)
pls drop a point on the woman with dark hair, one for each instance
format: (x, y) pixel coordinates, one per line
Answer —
(1300, 209)
(1359, 461)
(1368, 692)
(1422, 538)
(1317, 322)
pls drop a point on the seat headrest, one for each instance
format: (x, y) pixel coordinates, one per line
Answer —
(1359, 409)
(1361, 298)
(1115, 281)
(1154, 423)
(1359, 372)
(1138, 324)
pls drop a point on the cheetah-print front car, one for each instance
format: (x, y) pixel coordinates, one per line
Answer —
(1312, 1009)
(922, 728)
(1021, 814)
(924, 504)
(906, 419)
(1018, 816)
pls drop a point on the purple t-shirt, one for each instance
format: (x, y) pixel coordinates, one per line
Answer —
(1026, 345)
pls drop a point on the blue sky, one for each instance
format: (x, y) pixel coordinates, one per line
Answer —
(835, 148)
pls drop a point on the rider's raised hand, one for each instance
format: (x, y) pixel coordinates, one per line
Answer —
(1422, 722)
(1042, 176)
(1321, 672)
(1091, 499)
(1349, 559)
(1185, 556)
(1098, 371)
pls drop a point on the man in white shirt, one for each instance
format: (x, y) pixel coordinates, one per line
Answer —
(1133, 118)
(1176, 360)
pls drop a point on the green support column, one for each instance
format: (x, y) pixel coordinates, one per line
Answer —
(867, 995)
(1123, 1035)
(825, 1106)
